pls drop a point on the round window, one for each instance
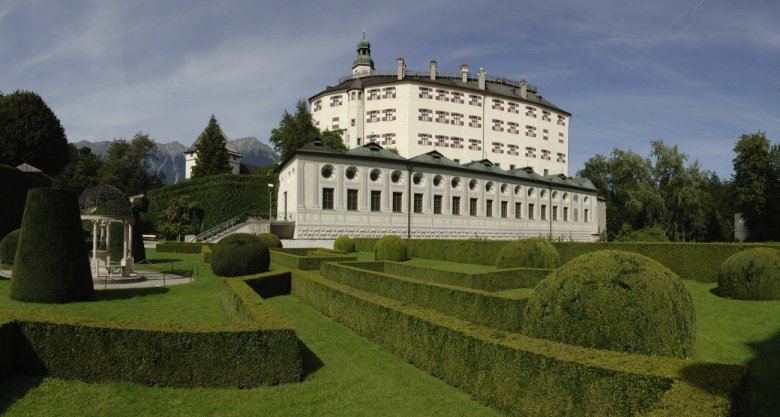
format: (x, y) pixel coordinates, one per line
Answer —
(437, 181)
(455, 183)
(531, 192)
(489, 187)
(473, 185)
(375, 175)
(351, 173)
(518, 190)
(327, 171)
(565, 196)
(543, 194)
(417, 178)
(396, 177)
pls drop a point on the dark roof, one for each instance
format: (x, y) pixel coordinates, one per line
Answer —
(492, 87)
(229, 146)
(434, 157)
(374, 149)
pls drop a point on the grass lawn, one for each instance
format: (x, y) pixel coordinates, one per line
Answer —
(451, 266)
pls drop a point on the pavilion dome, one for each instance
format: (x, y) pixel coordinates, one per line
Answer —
(105, 201)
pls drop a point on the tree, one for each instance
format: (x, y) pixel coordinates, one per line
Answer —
(127, 167)
(757, 185)
(81, 172)
(334, 139)
(293, 131)
(30, 132)
(212, 155)
(182, 216)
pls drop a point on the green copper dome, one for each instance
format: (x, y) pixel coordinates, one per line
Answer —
(364, 53)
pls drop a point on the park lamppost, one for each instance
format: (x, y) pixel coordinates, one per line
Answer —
(270, 190)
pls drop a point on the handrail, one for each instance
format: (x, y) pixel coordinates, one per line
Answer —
(498, 79)
(229, 224)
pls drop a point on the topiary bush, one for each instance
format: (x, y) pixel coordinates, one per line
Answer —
(390, 248)
(8, 247)
(753, 274)
(51, 264)
(532, 253)
(344, 243)
(270, 240)
(239, 254)
(617, 301)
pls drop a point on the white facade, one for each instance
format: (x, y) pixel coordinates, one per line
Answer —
(464, 116)
(366, 192)
(191, 159)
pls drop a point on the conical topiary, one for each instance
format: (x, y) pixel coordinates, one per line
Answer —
(51, 264)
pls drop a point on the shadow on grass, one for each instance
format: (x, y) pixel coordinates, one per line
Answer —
(721, 380)
(127, 293)
(156, 261)
(15, 387)
(714, 291)
(764, 377)
(310, 361)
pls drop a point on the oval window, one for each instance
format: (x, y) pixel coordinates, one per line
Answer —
(395, 177)
(327, 171)
(455, 183)
(375, 175)
(351, 173)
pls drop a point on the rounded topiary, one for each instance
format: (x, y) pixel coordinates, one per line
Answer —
(8, 247)
(239, 254)
(614, 300)
(390, 248)
(51, 263)
(532, 253)
(270, 240)
(344, 243)
(753, 274)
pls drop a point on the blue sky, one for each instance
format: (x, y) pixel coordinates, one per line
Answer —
(694, 73)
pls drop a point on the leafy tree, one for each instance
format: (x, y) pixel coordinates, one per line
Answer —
(82, 172)
(182, 216)
(334, 139)
(294, 131)
(30, 132)
(127, 167)
(212, 155)
(757, 185)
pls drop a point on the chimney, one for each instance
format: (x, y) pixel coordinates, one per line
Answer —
(401, 68)
(481, 74)
(433, 69)
(523, 88)
(464, 73)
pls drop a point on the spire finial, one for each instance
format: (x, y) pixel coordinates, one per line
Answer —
(364, 33)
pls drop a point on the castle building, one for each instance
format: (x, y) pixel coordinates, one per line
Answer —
(191, 156)
(464, 116)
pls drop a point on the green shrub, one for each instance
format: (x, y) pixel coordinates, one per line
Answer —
(344, 243)
(239, 254)
(390, 248)
(647, 234)
(206, 254)
(8, 247)
(51, 264)
(753, 274)
(271, 240)
(532, 253)
(616, 301)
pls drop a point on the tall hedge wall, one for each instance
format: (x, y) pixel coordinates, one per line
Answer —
(305, 258)
(694, 261)
(468, 304)
(523, 376)
(220, 196)
(15, 186)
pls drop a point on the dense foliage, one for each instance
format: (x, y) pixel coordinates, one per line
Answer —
(30, 132)
(239, 254)
(757, 185)
(344, 243)
(8, 247)
(51, 264)
(531, 253)
(127, 167)
(390, 248)
(296, 130)
(647, 234)
(753, 274)
(81, 172)
(212, 155)
(15, 186)
(181, 217)
(617, 301)
(270, 240)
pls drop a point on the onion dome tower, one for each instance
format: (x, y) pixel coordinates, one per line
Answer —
(363, 65)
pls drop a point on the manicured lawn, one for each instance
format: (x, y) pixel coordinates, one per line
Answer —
(349, 376)
(451, 266)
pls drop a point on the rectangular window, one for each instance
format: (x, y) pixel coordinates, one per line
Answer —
(530, 152)
(585, 216)
(335, 123)
(474, 145)
(398, 202)
(457, 97)
(555, 213)
(544, 212)
(327, 198)
(473, 207)
(376, 200)
(513, 108)
(457, 119)
(389, 139)
(389, 115)
(457, 143)
(489, 208)
(373, 116)
(425, 115)
(335, 101)
(418, 202)
(566, 214)
(389, 92)
(530, 111)
(424, 139)
(545, 134)
(318, 105)
(561, 121)
(560, 138)
(512, 150)
(545, 115)
(425, 92)
(441, 117)
(441, 141)
(530, 131)
(352, 200)
(475, 100)
(498, 125)
(437, 204)
(498, 147)
(531, 211)
(441, 95)
(518, 210)
(352, 122)
(474, 121)
(373, 94)
(498, 104)
(576, 215)
(372, 138)
(456, 206)
(504, 209)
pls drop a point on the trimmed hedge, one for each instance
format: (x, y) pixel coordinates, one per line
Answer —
(523, 376)
(753, 274)
(206, 250)
(51, 264)
(270, 240)
(390, 248)
(182, 247)
(499, 280)
(468, 304)
(695, 261)
(532, 253)
(239, 254)
(305, 258)
(344, 243)
(15, 186)
(8, 247)
(617, 301)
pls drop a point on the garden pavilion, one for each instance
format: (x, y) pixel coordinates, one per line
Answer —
(102, 206)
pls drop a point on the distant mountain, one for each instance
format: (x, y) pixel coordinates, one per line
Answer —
(169, 158)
